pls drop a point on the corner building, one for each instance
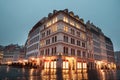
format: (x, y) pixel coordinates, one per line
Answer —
(62, 40)
(59, 41)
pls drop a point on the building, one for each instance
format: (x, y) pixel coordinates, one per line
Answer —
(1, 56)
(59, 40)
(12, 52)
(102, 48)
(63, 40)
(117, 59)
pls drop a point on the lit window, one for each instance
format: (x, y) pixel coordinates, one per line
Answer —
(42, 43)
(64, 65)
(78, 26)
(65, 19)
(72, 23)
(54, 62)
(54, 28)
(49, 23)
(65, 28)
(55, 20)
(79, 66)
(84, 65)
(83, 36)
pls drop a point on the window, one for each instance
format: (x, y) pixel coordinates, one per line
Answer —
(65, 19)
(72, 23)
(73, 52)
(48, 24)
(42, 43)
(73, 31)
(54, 28)
(65, 50)
(54, 39)
(84, 54)
(48, 32)
(83, 44)
(65, 28)
(43, 34)
(65, 38)
(55, 20)
(79, 53)
(42, 52)
(54, 49)
(82, 35)
(78, 26)
(78, 43)
(78, 33)
(47, 51)
(47, 41)
(72, 41)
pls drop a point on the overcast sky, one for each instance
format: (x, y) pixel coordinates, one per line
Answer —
(17, 17)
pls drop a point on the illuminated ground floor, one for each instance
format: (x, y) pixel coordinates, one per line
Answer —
(64, 62)
(71, 63)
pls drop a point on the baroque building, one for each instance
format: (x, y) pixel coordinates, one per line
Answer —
(63, 40)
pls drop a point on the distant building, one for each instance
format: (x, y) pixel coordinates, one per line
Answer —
(1, 56)
(63, 40)
(13, 52)
(117, 59)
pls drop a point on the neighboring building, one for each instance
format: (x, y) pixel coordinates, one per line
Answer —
(63, 40)
(1, 56)
(12, 52)
(102, 48)
(117, 59)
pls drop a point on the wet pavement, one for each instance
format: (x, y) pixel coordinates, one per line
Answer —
(11, 73)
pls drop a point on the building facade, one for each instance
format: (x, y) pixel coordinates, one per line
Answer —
(1, 56)
(63, 40)
(11, 53)
(102, 48)
(117, 59)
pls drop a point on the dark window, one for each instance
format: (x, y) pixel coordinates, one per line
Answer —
(48, 32)
(78, 43)
(72, 41)
(78, 53)
(84, 54)
(65, 39)
(83, 44)
(43, 34)
(78, 33)
(47, 41)
(54, 39)
(54, 50)
(65, 50)
(73, 52)
(73, 31)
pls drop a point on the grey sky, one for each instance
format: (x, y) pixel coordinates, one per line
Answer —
(17, 17)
